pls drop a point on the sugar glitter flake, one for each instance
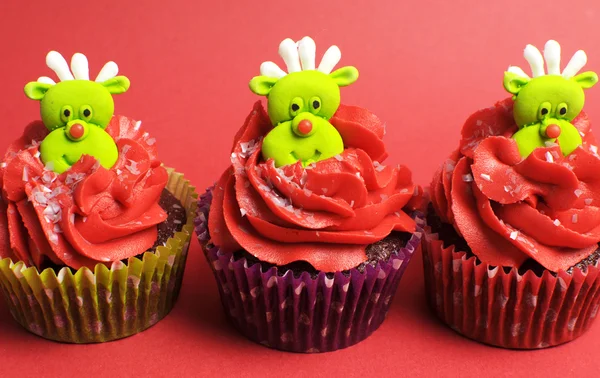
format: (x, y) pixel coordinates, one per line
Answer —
(486, 177)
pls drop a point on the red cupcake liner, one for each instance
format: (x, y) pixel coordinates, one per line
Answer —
(307, 313)
(504, 308)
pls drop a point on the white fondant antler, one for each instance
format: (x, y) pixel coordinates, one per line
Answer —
(552, 55)
(79, 66)
(59, 65)
(576, 63)
(79, 69)
(301, 56)
(109, 71)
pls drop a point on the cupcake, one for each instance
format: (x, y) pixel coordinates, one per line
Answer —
(94, 231)
(307, 232)
(511, 249)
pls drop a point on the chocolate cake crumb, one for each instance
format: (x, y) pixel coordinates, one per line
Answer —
(176, 218)
(450, 237)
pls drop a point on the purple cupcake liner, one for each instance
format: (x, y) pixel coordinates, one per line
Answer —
(304, 314)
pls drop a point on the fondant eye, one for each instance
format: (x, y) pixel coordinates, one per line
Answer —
(296, 106)
(544, 110)
(85, 112)
(315, 105)
(562, 109)
(66, 113)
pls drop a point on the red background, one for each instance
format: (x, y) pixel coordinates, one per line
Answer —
(425, 66)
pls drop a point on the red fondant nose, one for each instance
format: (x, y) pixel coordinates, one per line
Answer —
(305, 126)
(553, 131)
(77, 131)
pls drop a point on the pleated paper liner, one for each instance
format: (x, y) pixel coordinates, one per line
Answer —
(505, 308)
(303, 314)
(106, 304)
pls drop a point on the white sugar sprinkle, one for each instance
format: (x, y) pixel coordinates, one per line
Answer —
(574, 218)
(352, 203)
(594, 149)
(514, 234)
(25, 174)
(467, 178)
(243, 211)
(549, 157)
(3, 165)
(52, 237)
(338, 158)
(556, 222)
(485, 177)
(151, 141)
(588, 201)
(378, 166)
(578, 192)
(133, 167)
(137, 125)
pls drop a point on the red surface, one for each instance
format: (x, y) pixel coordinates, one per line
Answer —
(424, 65)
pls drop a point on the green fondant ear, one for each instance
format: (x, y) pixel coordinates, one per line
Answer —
(513, 83)
(344, 76)
(261, 85)
(36, 91)
(117, 85)
(586, 79)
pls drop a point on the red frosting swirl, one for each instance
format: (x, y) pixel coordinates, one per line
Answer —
(325, 214)
(88, 214)
(509, 209)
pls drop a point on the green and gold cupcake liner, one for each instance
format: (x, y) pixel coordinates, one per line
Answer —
(108, 303)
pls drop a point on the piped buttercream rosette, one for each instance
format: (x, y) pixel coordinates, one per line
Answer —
(509, 209)
(325, 214)
(87, 215)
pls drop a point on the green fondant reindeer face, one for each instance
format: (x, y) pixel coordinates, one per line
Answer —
(301, 103)
(76, 111)
(545, 105)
